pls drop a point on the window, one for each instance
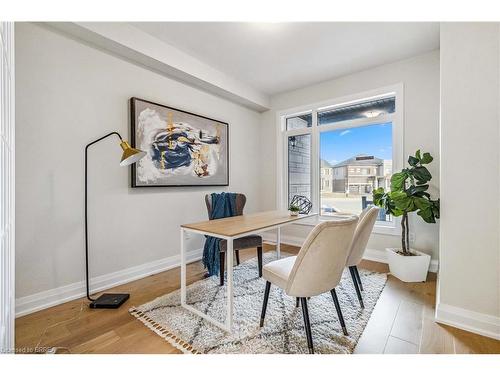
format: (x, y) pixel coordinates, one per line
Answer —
(299, 122)
(337, 154)
(369, 147)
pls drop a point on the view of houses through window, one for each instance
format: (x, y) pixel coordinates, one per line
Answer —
(355, 155)
(354, 162)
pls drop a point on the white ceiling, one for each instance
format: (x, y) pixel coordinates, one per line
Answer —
(277, 57)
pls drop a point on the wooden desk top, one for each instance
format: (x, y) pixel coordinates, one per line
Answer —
(237, 225)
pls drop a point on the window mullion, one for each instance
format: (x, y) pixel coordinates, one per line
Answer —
(315, 155)
(293, 132)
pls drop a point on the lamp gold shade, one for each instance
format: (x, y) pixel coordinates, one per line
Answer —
(130, 155)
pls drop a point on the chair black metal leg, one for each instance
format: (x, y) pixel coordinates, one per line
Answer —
(264, 305)
(259, 259)
(221, 270)
(297, 300)
(339, 311)
(237, 257)
(358, 277)
(356, 286)
(307, 324)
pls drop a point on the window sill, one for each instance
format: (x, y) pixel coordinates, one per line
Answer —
(388, 229)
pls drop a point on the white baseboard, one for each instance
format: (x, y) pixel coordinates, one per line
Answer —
(39, 301)
(370, 254)
(375, 255)
(472, 321)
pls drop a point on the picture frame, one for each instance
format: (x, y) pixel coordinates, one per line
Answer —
(182, 148)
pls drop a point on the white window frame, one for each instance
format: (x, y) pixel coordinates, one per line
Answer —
(397, 118)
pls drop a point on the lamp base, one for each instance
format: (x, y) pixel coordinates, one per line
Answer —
(109, 301)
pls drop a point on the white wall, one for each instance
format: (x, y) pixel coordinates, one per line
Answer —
(67, 95)
(470, 250)
(420, 76)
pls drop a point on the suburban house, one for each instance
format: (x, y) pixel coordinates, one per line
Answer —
(360, 174)
(326, 176)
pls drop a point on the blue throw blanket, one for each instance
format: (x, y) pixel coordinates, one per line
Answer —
(223, 205)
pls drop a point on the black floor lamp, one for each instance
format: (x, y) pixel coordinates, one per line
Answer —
(130, 155)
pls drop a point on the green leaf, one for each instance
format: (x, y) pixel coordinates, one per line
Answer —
(383, 199)
(426, 159)
(435, 208)
(422, 194)
(401, 200)
(422, 203)
(417, 155)
(378, 195)
(427, 215)
(398, 181)
(428, 209)
(391, 208)
(395, 211)
(413, 161)
(397, 195)
(422, 175)
(413, 190)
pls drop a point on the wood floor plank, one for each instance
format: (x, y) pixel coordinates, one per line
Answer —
(408, 323)
(404, 312)
(398, 346)
(378, 329)
(435, 338)
(470, 343)
(96, 344)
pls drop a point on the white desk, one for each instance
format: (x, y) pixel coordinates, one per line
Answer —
(229, 229)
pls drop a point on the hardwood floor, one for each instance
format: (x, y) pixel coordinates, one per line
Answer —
(402, 321)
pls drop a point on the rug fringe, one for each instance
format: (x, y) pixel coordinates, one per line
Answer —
(168, 336)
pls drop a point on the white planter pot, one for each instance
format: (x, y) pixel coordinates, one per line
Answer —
(408, 268)
(294, 213)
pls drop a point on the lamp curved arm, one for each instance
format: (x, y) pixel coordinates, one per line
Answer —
(86, 229)
(103, 137)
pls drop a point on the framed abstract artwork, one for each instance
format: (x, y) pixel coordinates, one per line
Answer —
(183, 148)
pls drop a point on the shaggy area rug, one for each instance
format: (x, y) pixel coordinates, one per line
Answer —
(283, 331)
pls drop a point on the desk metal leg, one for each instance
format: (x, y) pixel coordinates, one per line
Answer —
(226, 326)
(183, 268)
(229, 287)
(278, 242)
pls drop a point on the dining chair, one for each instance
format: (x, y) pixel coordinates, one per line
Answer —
(242, 243)
(316, 269)
(360, 239)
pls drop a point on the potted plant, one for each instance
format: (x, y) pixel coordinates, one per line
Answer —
(294, 210)
(409, 194)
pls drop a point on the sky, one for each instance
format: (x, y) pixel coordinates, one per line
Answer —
(342, 144)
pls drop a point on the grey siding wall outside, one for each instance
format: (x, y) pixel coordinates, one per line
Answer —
(299, 167)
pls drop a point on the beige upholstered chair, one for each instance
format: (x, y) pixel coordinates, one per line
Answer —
(242, 243)
(361, 236)
(315, 270)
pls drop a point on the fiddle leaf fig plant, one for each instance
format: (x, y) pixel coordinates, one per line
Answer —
(409, 194)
